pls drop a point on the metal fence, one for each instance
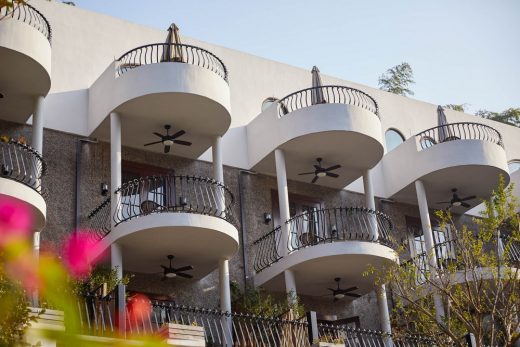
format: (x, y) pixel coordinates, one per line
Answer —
(459, 131)
(171, 52)
(163, 194)
(29, 15)
(21, 163)
(324, 226)
(327, 95)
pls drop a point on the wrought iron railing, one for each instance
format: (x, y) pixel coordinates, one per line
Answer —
(171, 52)
(21, 163)
(327, 95)
(164, 194)
(349, 336)
(459, 131)
(324, 226)
(98, 221)
(29, 15)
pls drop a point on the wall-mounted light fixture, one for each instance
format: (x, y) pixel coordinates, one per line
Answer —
(104, 189)
(267, 218)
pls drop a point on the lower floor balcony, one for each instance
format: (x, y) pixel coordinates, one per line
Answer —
(324, 245)
(21, 172)
(188, 217)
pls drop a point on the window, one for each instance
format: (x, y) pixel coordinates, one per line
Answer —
(513, 166)
(298, 205)
(268, 102)
(393, 138)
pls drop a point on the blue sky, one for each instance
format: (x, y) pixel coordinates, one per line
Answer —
(462, 51)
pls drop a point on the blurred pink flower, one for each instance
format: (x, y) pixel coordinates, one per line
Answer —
(139, 307)
(15, 220)
(80, 252)
(25, 270)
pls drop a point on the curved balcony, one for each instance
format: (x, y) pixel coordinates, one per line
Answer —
(25, 53)
(22, 169)
(158, 84)
(320, 244)
(467, 156)
(329, 122)
(189, 217)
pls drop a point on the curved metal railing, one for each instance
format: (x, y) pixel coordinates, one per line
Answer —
(324, 226)
(171, 52)
(29, 15)
(163, 194)
(459, 131)
(98, 221)
(21, 163)
(326, 95)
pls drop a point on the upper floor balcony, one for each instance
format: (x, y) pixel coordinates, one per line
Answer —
(469, 157)
(163, 83)
(339, 124)
(189, 217)
(25, 53)
(22, 169)
(323, 245)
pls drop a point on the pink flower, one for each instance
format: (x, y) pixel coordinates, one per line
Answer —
(139, 307)
(15, 220)
(80, 252)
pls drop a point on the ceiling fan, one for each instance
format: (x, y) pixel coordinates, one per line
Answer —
(168, 140)
(171, 272)
(457, 201)
(320, 171)
(339, 293)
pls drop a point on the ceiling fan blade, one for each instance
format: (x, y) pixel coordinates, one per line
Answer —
(166, 149)
(177, 134)
(157, 134)
(184, 268)
(332, 290)
(331, 174)
(468, 198)
(314, 179)
(180, 142)
(152, 143)
(443, 202)
(354, 295)
(181, 274)
(334, 167)
(317, 167)
(164, 267)
(465, 204)
(306, 173)
(349, 289)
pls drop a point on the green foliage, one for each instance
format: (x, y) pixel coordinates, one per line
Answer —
(511, 116)
(456, 107)
(476, 278)
(256, 301)
(97, 279)
(397, 80)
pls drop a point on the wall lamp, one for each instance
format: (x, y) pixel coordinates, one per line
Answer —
(267, 218)
(104, 189)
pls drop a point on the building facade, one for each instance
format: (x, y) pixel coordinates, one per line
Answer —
(224, 193)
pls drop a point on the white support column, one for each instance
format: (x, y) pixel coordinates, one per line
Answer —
(116, 259)
(283, 201)
(37, 125)
(382, 304)
(116, 262)
(218, 171)
(371, 204)
(225, 301)
(430, 246)
(290, 286)
(115, 160)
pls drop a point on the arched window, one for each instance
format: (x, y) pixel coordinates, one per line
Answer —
(268, 102)
(393, 138)
(513, 166)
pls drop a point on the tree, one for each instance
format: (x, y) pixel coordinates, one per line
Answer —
(456, 107)
(397, 80)
(511, 116)
(476, 276)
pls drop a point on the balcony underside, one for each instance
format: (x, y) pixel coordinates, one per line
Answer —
(471, 166)
(194, 239)
(26, 67)
(187, 97)
(29, 197)
(340, 134)
(316, 267)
